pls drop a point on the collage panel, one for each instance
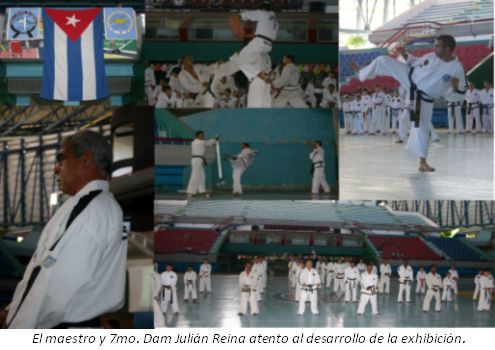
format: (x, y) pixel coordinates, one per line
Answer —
(253, 153)
(256, 54)
(76, 210)
(76, 167)
(416, 83)
(320, 263)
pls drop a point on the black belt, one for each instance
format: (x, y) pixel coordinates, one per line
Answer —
(395, 111)
(452, 106)
(248, 290)
(314, 166)
(264, 38)
(309, 288)
(372, 291)
(416, 95)
(171, 293)
(204, 160)
(93, 323)
(485, 108)
(471, 106)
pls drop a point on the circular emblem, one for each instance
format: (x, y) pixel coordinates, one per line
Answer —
(446, 77)
(23, 22)
(120, 22)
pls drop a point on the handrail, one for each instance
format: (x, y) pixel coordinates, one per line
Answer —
(408, 27)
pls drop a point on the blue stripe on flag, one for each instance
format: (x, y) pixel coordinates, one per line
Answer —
(101, 85)
(48, 83)
(74, 58)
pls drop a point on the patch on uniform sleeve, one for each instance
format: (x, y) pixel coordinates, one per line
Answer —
(49, 262)
(446, 77)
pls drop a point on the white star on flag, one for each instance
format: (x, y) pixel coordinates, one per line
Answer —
(72, 21)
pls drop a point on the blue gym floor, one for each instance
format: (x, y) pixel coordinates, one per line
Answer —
(220, 309)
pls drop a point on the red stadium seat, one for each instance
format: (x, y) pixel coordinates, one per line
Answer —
(184, 241)
(398, 247)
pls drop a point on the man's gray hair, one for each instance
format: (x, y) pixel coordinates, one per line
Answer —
(99, 147)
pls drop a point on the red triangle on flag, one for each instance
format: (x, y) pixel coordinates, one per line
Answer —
(73, 22)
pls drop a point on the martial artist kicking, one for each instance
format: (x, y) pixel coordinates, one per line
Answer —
(406, 278)
(190, 278)
(385, 273)
(434, 284)
(253, 59)
(428, 78)
(198, 161)
(317, 156)
(309, 279)
(205, 277)
(239, 165)
(369, 289)
(169, 290)
(352, 278)
(248, 281)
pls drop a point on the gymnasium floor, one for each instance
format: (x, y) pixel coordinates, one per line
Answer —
(374, 167)
(220, 309)
(252, 195)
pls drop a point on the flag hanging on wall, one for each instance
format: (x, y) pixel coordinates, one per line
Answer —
(73, 62)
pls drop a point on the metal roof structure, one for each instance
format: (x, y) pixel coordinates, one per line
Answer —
(330, 213)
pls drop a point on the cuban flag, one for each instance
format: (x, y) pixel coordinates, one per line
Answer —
(73, 61)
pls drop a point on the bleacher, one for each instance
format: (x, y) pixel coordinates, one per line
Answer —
(295, 227)
(184, 241)
(456, 249)
(398, 247)
(455, 12)
(362, 57)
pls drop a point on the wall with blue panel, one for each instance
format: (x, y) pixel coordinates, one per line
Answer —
(278, 134)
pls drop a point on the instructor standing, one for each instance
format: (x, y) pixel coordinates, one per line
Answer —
(77, 271)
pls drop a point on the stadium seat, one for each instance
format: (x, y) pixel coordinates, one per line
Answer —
(399, 247)
(455, 249)
(176, 241)
(295, 227)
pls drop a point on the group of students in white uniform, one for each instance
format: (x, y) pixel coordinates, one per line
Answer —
(242, 161)
(165, 286)
(188, 85)
(349, 278)
(343, 276)
(383, 112)
(193, 85)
